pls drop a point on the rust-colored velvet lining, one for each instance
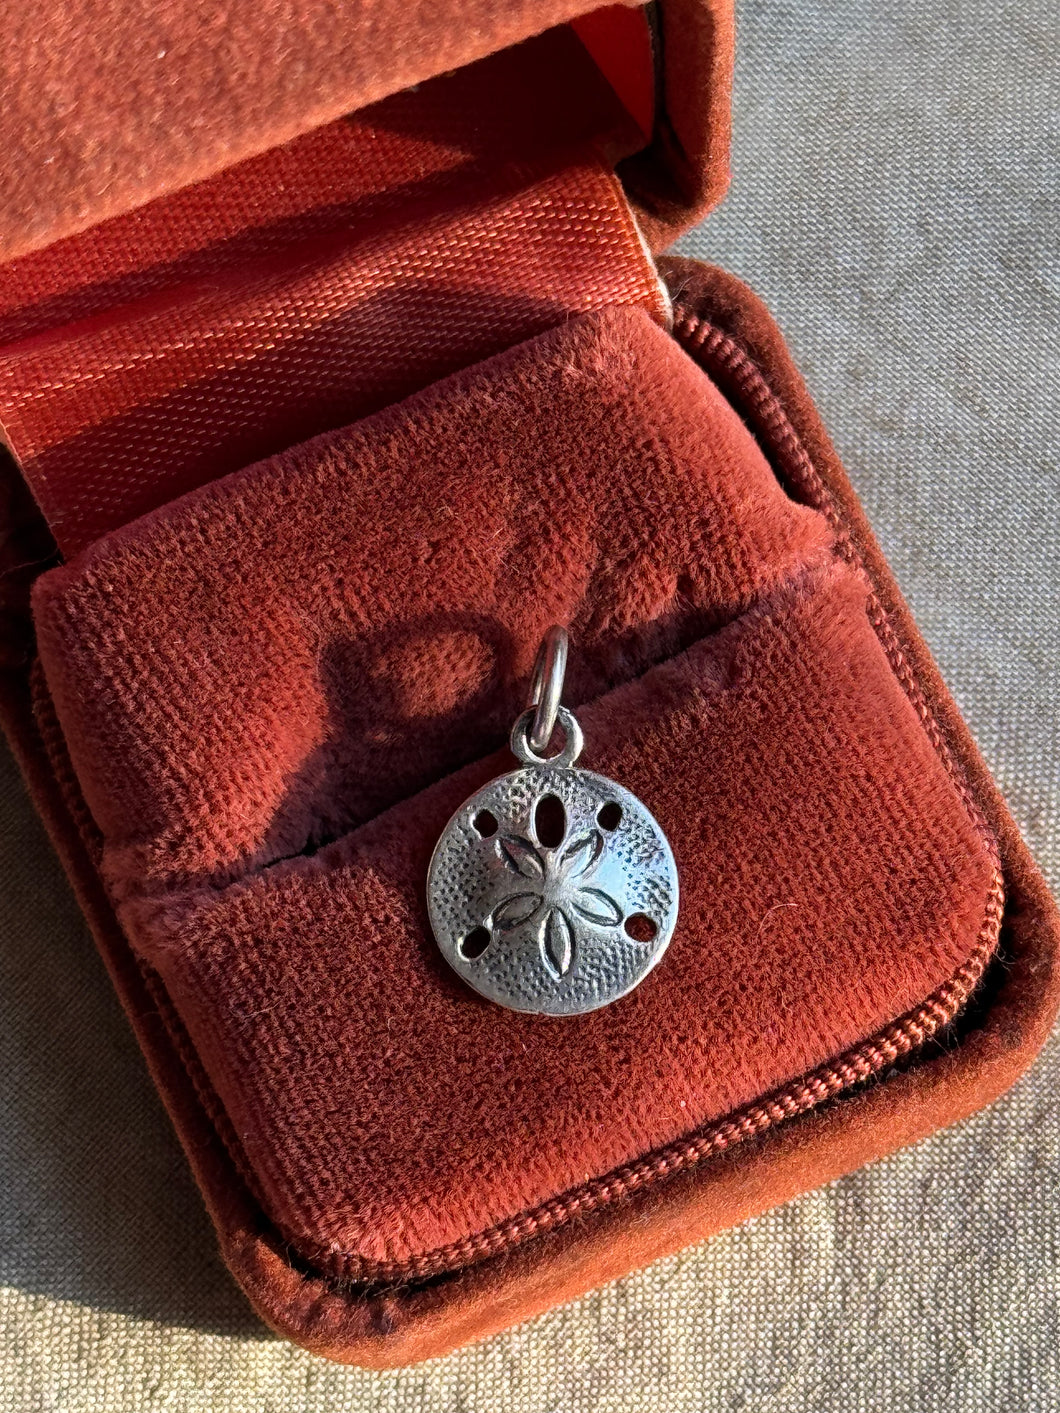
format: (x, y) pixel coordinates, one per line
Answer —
(109, 105)
(280, 657)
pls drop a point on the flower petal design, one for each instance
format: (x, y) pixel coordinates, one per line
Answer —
(557, 943)
(521, 857)
(580, 855)
(596, 906)
(516, 909)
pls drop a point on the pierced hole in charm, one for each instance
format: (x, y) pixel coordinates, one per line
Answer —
(550, 821)
(485, 823)
(609, 816)
(640, 927)
(475, 943)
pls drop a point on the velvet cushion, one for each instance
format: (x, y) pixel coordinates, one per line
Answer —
(297, 654)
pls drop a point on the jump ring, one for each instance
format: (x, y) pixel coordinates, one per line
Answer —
(546, 687)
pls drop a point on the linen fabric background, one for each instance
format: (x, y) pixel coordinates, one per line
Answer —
(895, 202)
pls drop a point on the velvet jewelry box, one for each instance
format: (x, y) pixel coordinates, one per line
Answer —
(337, 362)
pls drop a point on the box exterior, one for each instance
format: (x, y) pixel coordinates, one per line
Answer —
(262, 99)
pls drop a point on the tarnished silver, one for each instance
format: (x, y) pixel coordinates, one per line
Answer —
(546, 687)
(552, 890)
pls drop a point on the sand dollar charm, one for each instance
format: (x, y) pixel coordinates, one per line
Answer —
(552, 890)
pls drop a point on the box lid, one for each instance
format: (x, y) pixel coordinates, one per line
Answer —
(109, 105)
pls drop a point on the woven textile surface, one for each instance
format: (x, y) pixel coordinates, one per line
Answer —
(895, 202)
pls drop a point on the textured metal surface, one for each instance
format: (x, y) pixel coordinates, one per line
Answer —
(545, 926)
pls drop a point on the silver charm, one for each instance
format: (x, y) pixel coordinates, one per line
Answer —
(552, 890)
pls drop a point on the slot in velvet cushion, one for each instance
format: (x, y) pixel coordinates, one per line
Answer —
(301, 647)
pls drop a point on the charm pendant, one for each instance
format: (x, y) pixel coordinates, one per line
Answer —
(552, 890)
